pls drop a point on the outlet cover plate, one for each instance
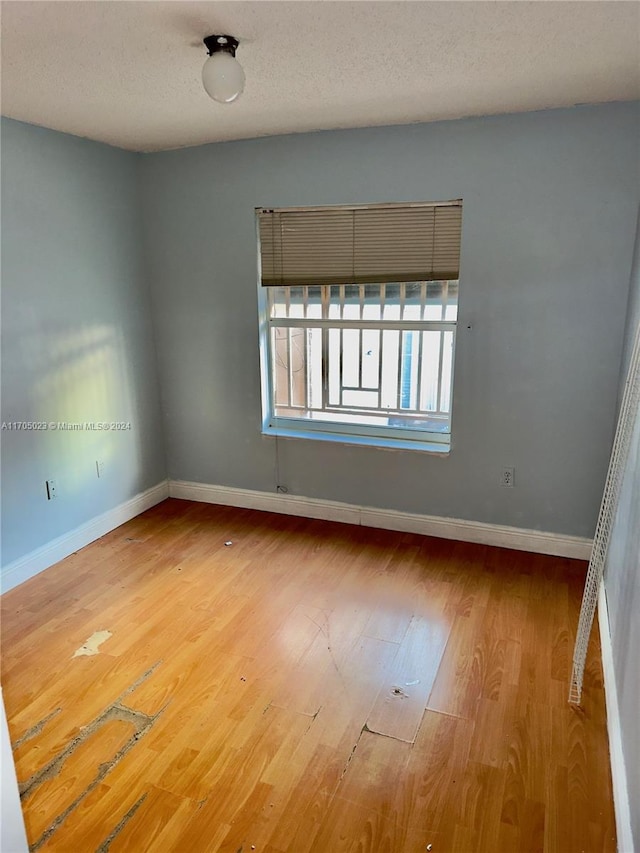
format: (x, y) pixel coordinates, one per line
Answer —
(507, 477)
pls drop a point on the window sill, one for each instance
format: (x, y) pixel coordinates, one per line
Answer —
(422, 446)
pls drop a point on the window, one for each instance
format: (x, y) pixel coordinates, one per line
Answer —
(355, 346)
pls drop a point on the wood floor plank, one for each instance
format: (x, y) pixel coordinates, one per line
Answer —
(403, 697)
(389, 625)
(459, 682)
(260, 678)
(81, 830)
(350, 828)
(157, 823)
(355, 684)
(317, 770)
(435, 771)
(328, 669)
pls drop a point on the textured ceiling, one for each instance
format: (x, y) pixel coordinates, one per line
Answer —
(128, 73)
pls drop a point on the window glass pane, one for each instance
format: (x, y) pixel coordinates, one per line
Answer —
(297, 297)
(303, 302)
(434, 300)
(290, 367)
(280, 358)
(414, 294)
(314, 302)
(336, 297)
(334, 367)
(409, 375)
(314, 368)
(361, 399)
(350, 358)
(376, 377)
(297, 366)
(370, 358)
(390, 375)
(278, 301)
(447, 369)
(392, 300)
(430, 370)
(351, 310)
(371, 309)
(451, 309)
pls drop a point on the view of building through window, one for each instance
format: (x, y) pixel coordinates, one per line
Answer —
(372, 355)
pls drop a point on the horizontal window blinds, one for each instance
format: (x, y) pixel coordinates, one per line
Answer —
(360, 245)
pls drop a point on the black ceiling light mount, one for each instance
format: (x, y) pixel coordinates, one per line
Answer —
(222, 74)
(216, 43)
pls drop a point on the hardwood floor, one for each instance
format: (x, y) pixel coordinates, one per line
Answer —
(311, 687)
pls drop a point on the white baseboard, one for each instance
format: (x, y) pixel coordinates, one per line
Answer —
(36, 561)
(618, 771)
(388, 519)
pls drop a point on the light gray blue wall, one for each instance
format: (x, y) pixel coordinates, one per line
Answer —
(622, 581)
(549, 201)
(77, 341)
(549, 198)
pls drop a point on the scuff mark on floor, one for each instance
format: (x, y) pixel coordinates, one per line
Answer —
(366, 728)
(352, 753)
(92, 643)
(104, 847)
(312, 718)
(35, 730)
(326, 632)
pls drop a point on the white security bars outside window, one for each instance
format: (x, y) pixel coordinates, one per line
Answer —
(345, 357)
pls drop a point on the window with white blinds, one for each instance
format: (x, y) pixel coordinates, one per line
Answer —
(358, 320)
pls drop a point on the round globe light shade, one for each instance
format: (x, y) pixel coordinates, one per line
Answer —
(223, 77)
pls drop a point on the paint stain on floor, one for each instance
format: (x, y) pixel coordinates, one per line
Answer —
(91, 645)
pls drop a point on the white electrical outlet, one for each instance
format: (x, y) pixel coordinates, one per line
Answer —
(507, 477)
(52, 489)
(100, 467)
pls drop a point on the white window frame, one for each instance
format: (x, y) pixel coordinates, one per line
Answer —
(392, 437)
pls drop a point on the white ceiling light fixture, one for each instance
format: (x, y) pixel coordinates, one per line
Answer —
(222, 74)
